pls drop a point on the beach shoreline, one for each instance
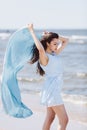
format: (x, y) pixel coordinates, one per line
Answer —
(36, 120)
(76, 110)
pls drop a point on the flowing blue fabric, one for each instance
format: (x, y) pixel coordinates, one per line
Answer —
(18, 52)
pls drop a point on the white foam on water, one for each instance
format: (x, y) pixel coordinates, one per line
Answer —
(76, 99)
(4, 36)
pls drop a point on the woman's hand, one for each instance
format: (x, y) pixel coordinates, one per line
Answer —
(30, 27)
(63, 44)
(63, 39)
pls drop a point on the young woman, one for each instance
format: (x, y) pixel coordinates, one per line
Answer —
(46, 52)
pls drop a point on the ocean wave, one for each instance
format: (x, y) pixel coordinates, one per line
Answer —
(81, 75)
(67, 97)
(78, 39)
(67, 76)
(72, 38)
(26, 79)
(4, 36)
(75, 98)
(74, 94)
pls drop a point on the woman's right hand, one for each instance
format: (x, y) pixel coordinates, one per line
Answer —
(30, 27)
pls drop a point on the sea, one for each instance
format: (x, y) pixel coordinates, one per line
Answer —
(74, 58)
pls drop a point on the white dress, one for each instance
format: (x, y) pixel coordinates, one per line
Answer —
(51, 90)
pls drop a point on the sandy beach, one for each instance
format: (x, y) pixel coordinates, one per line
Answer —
(36, 120)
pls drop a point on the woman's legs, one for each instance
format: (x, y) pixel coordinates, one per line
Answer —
(49, 118)
(62, 116)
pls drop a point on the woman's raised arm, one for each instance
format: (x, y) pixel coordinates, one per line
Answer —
(42, 54)
(37, 42)
(64, 42)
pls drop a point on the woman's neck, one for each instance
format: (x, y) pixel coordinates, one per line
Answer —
(49, 51)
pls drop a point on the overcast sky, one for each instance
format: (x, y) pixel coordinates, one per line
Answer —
(56, 14)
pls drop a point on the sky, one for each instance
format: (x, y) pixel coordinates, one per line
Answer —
(50, 14)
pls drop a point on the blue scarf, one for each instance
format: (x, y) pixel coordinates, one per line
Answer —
(18, 52)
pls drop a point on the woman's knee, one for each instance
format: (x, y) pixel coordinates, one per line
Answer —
(61, 114)
(63, 122)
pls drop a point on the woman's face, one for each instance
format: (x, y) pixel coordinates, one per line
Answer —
(53, 45)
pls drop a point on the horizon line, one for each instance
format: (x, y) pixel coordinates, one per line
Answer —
(46, 29)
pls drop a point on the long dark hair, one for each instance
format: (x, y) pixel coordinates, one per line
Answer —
(47, 37)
